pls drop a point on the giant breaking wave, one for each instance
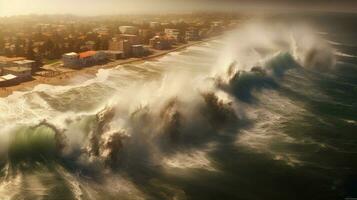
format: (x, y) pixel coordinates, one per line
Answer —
(146, 124)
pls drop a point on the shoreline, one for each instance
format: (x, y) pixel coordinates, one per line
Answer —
(63, 78)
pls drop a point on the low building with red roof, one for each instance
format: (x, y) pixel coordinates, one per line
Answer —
(83, 59)
(87, 54)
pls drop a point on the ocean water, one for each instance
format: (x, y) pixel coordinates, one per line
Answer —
(267, 111)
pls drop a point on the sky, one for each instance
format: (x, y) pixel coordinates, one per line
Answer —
(110, 7)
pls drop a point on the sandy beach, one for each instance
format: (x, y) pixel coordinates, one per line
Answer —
(63, 78)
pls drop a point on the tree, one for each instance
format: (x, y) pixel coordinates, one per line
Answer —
(19, 51)
(97, 44)
(2, 41)
(104, 43)
(50, 44)
(55, 52)
(48, 47)
(30, 54)
(8, 52)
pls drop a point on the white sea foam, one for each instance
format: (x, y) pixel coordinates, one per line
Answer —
(345, 55)
(267, 131)
(189, 160)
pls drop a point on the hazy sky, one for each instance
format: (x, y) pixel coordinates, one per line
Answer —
(100, 7)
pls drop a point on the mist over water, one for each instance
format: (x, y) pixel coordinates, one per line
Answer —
(265, 108)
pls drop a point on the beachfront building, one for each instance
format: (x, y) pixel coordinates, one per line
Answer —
(120, 45)
(138, 50)
(84, 59)
(89, 58)
(124, 43)
(90, 45)
(145, 35)
(174, 34)
(7, 61)
(27, 63)
(131, 30)
(70, 60)
(114, 55)
(132, 39)
(18, 61)
(192, 34)
(22, 73)
(15, 70)
(8, 80)
(115, 44)
(160, 42)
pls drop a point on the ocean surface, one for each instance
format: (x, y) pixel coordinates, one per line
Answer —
(268, 111)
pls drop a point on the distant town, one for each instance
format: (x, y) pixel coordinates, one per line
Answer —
(45, 46)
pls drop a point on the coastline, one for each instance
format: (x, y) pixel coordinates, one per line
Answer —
(63, 78)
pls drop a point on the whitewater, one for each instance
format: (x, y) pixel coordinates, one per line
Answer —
(264, 108)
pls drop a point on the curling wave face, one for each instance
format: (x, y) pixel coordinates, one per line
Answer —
(192, 116)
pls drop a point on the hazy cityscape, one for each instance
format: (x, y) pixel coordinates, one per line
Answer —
(47, 46)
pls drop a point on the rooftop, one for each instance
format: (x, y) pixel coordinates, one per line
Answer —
(71, 54)
(20, 62)
(17, 69)
(113, 52)
(7, 77)
(172, 29)
(128, 35)
(127, 27)
(87, 54)
(8, 59)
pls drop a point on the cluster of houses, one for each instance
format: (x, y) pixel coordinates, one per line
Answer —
(15, 70)
(91, 45)
(132, 42)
